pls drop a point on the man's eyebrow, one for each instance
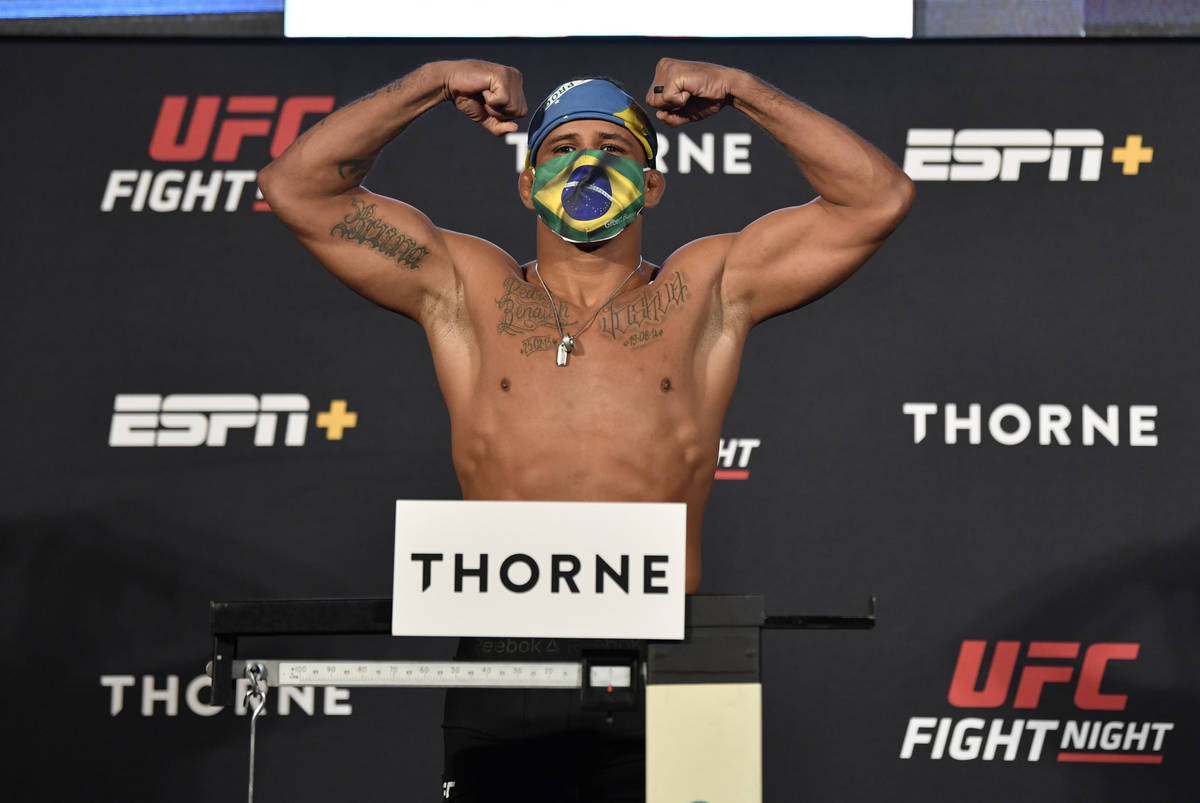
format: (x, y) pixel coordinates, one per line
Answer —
(561, 138)
(603, 135)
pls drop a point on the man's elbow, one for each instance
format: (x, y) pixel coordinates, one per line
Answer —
(896, 201)
(279, 190)
(268, 182)
(904, 192)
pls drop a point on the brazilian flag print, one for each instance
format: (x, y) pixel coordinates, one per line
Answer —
(588, 196)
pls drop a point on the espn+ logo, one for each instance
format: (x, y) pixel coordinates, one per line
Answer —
(206, 419)
(988, 154)
(216, 130)
(1094, 739)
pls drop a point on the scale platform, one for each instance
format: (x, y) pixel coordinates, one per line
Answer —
(712, 620)
(702, 695)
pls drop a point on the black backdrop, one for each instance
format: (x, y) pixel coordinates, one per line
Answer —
(1026, 292)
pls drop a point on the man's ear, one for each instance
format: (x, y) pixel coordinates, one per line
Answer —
(525, 187)
(656, 185)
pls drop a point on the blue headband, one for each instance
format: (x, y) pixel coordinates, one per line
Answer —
(590, 99)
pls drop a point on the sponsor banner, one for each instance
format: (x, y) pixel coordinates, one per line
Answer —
(681, 153)
(1096, 734)
(208, 145)
(206, 419)
(168, 695)
(1048, 307)
(1015, 154)
(1047, 425)
(540, 569)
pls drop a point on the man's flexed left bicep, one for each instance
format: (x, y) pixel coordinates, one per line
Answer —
(792, 256)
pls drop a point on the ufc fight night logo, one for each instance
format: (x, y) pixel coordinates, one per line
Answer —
(211, 129)
(1041, 669)
(1011, 154)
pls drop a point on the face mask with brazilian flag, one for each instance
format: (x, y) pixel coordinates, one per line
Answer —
(588, 196)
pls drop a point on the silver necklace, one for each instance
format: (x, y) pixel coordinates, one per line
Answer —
(567, 344)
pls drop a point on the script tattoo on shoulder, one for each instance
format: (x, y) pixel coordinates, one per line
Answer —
(361, 226)
(636, 322)
(523, 309)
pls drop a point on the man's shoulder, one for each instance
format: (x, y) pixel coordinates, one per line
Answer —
(473, 255)
(703, 257)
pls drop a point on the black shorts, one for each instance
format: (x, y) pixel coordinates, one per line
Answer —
(538, 746)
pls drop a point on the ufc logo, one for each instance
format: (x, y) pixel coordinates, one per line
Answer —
(255, 117)
(964, 691)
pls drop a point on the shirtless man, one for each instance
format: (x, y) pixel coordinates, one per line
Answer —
(543, 364)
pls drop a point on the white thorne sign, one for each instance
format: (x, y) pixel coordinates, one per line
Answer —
(473, 18)
(539, 569)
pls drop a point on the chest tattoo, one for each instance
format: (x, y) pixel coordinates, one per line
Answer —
(524, 309)
(536, 343)
(637, 322)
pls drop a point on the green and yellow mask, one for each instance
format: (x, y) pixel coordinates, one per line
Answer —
(588, 196)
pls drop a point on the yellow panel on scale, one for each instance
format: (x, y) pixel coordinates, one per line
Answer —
(704, 743)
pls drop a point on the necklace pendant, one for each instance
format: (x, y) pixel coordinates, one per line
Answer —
(564, 348)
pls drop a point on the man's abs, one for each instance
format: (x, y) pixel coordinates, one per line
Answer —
(635, 414)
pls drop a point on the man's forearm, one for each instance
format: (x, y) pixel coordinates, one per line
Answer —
(335, 154)
(842, 167)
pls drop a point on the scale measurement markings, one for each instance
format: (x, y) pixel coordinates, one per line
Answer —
(434, 674)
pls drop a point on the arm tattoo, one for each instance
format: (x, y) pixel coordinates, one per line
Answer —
(354, 168)
(636, 322)
(362, 227)
(394, 86)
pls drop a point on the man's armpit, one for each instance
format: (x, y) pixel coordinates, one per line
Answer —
(362, 227)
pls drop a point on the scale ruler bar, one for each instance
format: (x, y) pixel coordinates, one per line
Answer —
(419, 674)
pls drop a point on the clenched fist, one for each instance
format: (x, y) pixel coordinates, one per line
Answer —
(686, 91)
(490, 94)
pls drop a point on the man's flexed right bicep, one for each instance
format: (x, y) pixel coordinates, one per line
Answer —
(382, 248)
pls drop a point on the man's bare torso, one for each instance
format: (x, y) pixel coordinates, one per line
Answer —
(635, 415)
